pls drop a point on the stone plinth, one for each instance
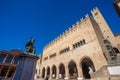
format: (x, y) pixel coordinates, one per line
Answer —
(26, 67)
(118, 58)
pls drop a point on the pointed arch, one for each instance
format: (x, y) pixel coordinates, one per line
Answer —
(87, 66)
(54, 71)
(48, 71)
(61, 71)
(43, 72)
(73, 72)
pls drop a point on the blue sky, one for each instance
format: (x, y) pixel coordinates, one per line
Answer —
(46, 19)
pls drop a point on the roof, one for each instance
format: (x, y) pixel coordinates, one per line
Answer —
(11, 52)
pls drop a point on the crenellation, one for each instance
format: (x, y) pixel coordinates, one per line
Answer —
(80, 47)
(96, 8)
(58, 38)
(63, 34)
(53, 41)
(81, 19)
(69, 30)
(94, 11)
(87, 15)
(60, 35)
(73, 26)
(77, 23)
(66, 31)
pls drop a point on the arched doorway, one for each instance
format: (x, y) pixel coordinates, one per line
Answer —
(48, 71)
(87, 68)
(73, 73)
(54, 72)
(61, 71)
(43, 72)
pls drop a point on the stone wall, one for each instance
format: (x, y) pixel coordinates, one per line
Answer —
(67, 48)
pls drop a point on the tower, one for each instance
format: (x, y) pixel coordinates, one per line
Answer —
(107, 33)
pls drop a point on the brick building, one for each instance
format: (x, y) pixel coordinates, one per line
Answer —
(82, 51)
(8, 63)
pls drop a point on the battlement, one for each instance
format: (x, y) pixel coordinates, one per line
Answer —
(67, 32)
(95, 11)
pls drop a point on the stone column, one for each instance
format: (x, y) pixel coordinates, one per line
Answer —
(57, 73)
(80, 74)
(50, 73)
(41, 73)
(45, 72)
(66, 72)
(118, 58)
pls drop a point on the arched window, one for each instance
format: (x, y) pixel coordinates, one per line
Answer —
(2, 58)
(9, 59)
(116, 50)
(84, 41)
(15, 60)
(106, 41)
(78, 44)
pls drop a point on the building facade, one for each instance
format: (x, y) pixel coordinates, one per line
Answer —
(8, 64)
(80, 51)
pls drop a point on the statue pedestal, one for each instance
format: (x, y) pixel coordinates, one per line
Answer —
(26, 67)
